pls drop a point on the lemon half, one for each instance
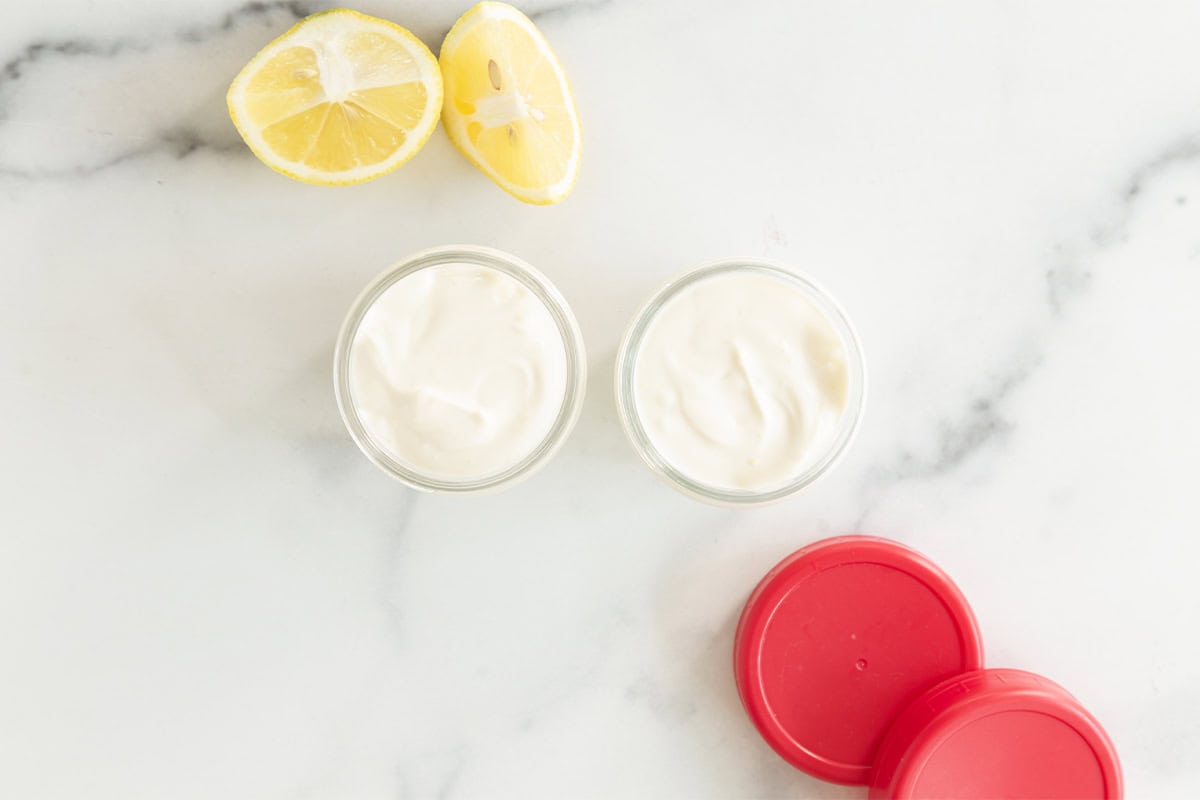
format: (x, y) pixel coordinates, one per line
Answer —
(508, 106)
(340, 98)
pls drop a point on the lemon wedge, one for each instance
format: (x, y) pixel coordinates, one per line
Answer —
(340, 98)
(508, 106)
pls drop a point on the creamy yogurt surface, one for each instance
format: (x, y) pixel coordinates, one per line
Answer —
(741, 381)
(458, 371)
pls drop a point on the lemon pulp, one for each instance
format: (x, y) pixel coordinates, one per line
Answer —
(508, 106)
(340, 98)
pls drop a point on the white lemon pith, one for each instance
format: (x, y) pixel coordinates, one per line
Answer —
(508, 106)
(340, 98)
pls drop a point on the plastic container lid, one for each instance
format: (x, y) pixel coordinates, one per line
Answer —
(837, 640)
(999, 733)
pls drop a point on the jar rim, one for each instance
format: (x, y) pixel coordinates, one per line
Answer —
(542, 288)
(626, 364)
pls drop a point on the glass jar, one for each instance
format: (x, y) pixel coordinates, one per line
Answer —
(627, 365)
(535, 282)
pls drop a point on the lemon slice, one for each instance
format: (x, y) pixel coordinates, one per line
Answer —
(508, 107)
(340, 98)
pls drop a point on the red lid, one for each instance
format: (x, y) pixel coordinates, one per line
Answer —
(837, 640)
(999, 733)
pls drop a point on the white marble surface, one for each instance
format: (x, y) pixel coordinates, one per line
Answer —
(205, 591)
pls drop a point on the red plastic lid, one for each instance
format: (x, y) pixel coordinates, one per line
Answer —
(999, 733)
(837, 640)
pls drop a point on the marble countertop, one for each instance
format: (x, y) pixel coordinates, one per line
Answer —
(206, 591)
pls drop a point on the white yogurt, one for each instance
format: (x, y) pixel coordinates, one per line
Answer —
(458, 371)
(741, 381)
